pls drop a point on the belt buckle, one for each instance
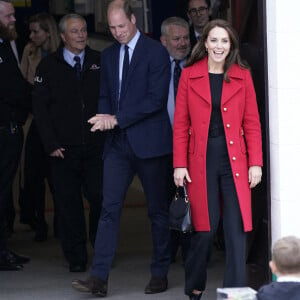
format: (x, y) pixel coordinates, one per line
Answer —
(13, 127)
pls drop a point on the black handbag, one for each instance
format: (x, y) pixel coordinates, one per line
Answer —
(180, 217)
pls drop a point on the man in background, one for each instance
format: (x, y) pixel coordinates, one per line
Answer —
(175, 37)
(65, 96)
(198, 12)
(14, 106)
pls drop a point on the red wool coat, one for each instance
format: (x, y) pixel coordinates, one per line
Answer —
(242, 127)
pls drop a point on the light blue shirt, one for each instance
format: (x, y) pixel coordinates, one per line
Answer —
(171, 97)
(131, 45)
(69, 57)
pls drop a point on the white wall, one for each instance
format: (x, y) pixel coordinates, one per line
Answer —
(283, 40)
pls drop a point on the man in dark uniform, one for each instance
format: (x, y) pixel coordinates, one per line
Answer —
(14, 105)
(65, 96)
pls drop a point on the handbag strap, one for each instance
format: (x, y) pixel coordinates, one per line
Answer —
(184, 192)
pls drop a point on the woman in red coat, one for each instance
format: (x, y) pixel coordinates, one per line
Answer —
(217, 152)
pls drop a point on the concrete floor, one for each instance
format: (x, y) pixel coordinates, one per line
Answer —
(47, 276)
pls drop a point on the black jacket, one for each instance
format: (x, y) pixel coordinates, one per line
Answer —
(62, 104)
(193, 39)
(14, 89)
(279, 291)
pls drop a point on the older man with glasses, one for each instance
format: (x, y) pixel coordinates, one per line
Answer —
(198, 12)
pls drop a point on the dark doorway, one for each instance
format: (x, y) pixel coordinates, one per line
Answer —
(249, 19)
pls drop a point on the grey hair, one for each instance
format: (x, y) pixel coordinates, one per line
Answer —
(172, 21)
(65, 18)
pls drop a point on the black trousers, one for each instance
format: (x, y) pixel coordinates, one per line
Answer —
(36, 170)
(79, 173)
(10, 151)
(220, 185)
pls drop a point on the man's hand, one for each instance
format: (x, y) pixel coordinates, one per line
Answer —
(103, 122)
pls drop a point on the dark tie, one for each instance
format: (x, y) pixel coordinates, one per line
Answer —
(125, 67)
(176, 75)
(77, 66)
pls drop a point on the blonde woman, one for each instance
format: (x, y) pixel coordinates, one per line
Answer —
(44, 39)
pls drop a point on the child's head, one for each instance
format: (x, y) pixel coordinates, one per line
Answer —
(286, 256)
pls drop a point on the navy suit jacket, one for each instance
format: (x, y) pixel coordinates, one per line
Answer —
(143, 103)
(279, 291)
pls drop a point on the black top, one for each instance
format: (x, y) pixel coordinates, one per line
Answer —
(62, 104)
(216, 127)
(14, 89)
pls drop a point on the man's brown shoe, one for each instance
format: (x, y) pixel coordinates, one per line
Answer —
(156, 285)
(92, 284)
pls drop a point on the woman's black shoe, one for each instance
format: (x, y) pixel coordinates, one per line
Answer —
(195, 297)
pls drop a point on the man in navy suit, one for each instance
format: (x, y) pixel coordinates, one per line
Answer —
(133, 109)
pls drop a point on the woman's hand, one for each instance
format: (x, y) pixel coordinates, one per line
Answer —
(254, 175)
(180, 176)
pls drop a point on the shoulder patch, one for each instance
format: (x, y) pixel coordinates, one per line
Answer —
(38, 79)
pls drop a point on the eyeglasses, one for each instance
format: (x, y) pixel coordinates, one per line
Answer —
(200, 10)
